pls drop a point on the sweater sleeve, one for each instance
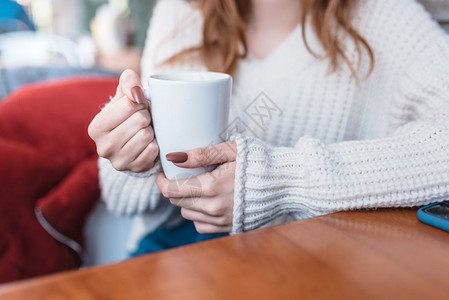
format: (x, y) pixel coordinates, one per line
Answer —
(410, 167)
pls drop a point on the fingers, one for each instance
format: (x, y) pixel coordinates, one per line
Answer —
(114, 114)
(195, 187)
(132, 127)
(131, 87)
(186, 193)
(205, 156)
(209, 184)
(138, 143)
(203, 218)
(129, 99)
(128, 80)
(136, 135)
(186, 187)
(122, 130)
(146, 159)
(131, 146)
(137, 157)
(209, 228)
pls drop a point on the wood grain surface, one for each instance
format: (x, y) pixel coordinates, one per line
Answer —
(383, 254)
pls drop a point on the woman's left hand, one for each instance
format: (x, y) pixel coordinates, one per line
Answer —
(206, 199)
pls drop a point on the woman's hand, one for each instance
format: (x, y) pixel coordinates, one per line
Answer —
(122, 130)
(206, 199)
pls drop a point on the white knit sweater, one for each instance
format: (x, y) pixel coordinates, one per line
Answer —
(326, 143)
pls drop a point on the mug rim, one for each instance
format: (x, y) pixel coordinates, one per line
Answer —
(159, 77)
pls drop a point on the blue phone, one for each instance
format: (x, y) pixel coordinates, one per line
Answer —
(436, 214)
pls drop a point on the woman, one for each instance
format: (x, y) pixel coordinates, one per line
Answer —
(344, 105)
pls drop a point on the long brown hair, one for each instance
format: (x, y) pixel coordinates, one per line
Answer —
(224, 40)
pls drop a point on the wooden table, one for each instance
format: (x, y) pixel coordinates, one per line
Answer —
(384, 254)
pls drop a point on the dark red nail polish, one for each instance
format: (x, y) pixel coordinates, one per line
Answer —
(177, 157)
(137, 94)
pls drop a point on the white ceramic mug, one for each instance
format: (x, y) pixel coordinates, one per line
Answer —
(189, 110)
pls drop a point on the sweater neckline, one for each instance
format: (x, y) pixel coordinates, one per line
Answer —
(275, 52)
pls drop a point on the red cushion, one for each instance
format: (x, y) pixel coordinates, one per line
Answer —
(47, 160)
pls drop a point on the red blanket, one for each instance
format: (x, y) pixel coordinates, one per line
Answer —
(49, 164)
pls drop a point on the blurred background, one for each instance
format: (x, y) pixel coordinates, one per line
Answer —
(48, 39)
(85, 33)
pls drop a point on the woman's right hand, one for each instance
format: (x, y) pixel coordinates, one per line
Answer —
(122, 131)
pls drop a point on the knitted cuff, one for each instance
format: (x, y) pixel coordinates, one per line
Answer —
(128, 195)
(239, 184)
(268, 183)
(156, 169)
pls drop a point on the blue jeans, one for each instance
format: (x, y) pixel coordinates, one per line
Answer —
(166, 238)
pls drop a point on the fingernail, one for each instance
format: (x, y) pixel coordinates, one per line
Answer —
(177, 157)
(137, 94)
